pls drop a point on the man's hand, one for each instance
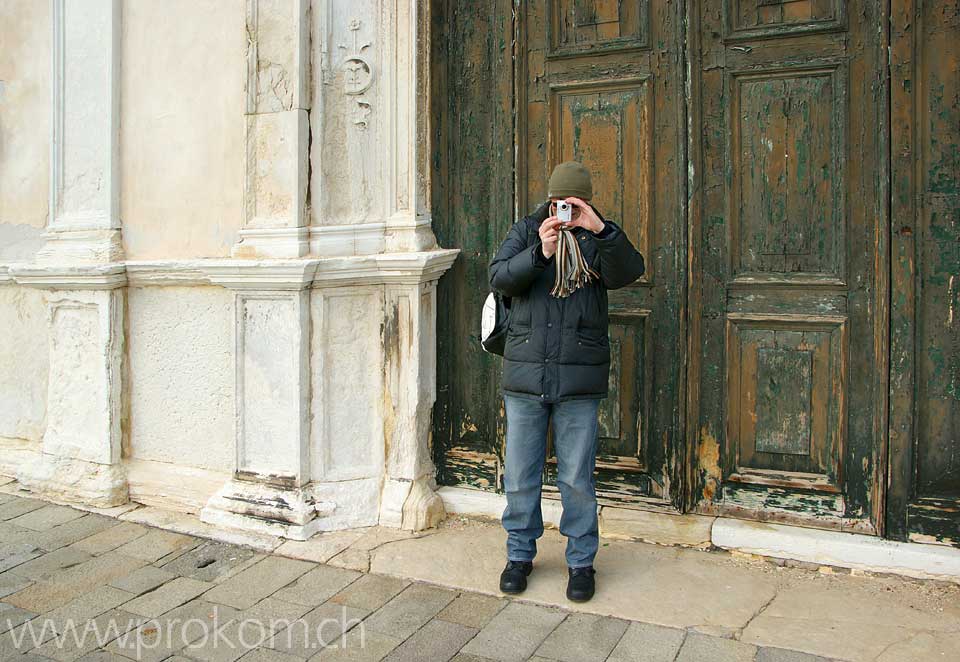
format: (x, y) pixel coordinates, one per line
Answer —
(548, 236)
(587, 218)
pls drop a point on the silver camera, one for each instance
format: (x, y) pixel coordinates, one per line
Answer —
(564, 211)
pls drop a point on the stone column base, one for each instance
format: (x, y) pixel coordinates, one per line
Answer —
(411, 505)
(79, 481)
(290, 513)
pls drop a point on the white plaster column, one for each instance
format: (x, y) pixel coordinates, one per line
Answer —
(407, 96)
(277, 130)
(272, 334)
(80, 263)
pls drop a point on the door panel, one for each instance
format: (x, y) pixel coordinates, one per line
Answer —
(789, 319)
(589, 86)
(473, 205)
(924, 501)
(591, 89)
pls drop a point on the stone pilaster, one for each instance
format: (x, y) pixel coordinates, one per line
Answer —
(85, 135)
(272, 330)
(80, 263)
(409, 499)
(277, 130)
(370, 117)
(407, 89)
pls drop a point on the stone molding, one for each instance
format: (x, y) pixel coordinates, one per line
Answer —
(271, 274)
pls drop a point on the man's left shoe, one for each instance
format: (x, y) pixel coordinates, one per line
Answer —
(580, 584)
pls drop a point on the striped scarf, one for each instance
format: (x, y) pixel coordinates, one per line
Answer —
(573, 272)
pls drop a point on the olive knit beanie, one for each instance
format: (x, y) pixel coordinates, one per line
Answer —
(570, 178)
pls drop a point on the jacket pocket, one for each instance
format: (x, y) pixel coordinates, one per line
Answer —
(592, 346)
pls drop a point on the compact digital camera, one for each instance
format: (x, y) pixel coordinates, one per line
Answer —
(564, 211)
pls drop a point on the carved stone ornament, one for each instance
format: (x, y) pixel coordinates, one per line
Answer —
(357, 75)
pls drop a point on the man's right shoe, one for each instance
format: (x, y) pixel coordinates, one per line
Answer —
(513, 579)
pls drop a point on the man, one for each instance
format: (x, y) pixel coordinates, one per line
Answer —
(556, 365)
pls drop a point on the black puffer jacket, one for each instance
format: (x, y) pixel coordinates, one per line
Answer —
(557, 348)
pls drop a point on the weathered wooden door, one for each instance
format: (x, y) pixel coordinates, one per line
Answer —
(789, 246)
(924, 497)
(527, 86)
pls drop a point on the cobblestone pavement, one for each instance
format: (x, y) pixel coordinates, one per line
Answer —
(78, 585)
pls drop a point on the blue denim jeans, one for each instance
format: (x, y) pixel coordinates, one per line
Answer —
(575, 432)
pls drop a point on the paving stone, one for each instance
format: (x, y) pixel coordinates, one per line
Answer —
(268, 655)
(466, 657)
(370, 591)
(87, 636)
(103, 656)
(409, 610)
(472, 609)
(210, 561)
(72, 531)
(273, 613)
(698, 647)
(352, 559)
(437, 640)
(142, 580)
(43, 596)
(11, 617)
(768, 654)
(158, 638)
(52, 562)
(258, 581)
(170, 595)
(112, 538)
(19, 507)
(515, 632)
(644, 642)
(24, 637)
(250, 629)
(43, 519)
(583, 637)
(157, 543)
(11, 582)
(14, 554)
(10, 534)
(32, 657)
(85, 607)
(316, 629)
(317, 586)
(360, 644)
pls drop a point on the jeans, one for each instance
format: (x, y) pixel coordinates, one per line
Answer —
(575, 433)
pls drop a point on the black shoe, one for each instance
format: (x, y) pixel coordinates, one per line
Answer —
(580, 583)
(513, 579)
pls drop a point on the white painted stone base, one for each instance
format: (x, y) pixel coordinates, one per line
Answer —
(172, 486)
(463, 501)
(258, 507)
(71, 480)
(847, 550)
(15, 453)
(411, 505)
